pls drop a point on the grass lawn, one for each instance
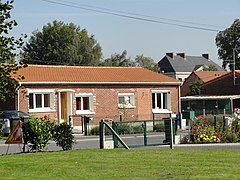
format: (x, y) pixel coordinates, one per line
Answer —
(123, 164)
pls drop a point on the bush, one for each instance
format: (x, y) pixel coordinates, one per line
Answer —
(1, 126)
(37, 132)
(159, 127)
(123, 129)
(95, 131)
(136, 129)
(63, 136)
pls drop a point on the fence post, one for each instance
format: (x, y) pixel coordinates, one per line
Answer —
(145, 132)
(115, 140)
(172, 133)
(102, 133)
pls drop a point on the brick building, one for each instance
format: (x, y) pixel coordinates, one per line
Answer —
(134, 93)
(219, 95)
(203, 76)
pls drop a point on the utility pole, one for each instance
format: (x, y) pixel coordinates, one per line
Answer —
(235, 51)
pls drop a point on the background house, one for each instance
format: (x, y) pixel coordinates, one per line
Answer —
(220, 95)
(180, 66)
(203, 76)
(134, 93)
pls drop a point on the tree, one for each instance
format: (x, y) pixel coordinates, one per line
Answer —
(118, 60)
(210, 68)
(146, 62)
(195, 87)
(60, 43)
(8, 45)
(226, 42)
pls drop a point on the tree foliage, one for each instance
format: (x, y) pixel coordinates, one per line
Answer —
(195, 87)
(226, 42)
(210, 68)
(118, 60)
(8, 45)
(146, 62)
(124, 61)
(60, 43)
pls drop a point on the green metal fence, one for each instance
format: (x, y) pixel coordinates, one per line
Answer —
(144, 133)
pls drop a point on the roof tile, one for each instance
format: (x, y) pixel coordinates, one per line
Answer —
(47, 73)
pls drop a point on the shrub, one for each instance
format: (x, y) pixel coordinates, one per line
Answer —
(37, 132)
(136, 129)
(63, 136)
(95, 131)
(123, 129)
(1, 126)
(159, 127)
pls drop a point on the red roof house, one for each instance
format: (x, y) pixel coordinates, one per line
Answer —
(60, 92)
(203, 76)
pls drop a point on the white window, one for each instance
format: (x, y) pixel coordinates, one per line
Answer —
(84, 103)
(126, 100)
(41, 100)
(161, 101)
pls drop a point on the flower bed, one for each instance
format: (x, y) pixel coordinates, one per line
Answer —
(205, 131)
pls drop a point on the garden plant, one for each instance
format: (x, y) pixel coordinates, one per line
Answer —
(204, 130)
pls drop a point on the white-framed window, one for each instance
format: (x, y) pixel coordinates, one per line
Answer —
(84, 103)
(126, 100)
(41, 100)
(161, 101)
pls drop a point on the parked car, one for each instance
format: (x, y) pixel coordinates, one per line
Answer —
(10, 119)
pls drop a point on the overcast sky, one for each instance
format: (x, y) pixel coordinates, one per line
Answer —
(148, 27)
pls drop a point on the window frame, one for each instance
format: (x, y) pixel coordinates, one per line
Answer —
(131, 100)
(90, 103)
(167, 101)
(34, 106)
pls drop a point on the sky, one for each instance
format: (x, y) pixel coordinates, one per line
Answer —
(141, 27)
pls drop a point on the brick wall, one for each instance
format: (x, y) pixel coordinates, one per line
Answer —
(106, 101)
(222, 86)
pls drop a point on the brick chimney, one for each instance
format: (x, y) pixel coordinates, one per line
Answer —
(181, 55)
(170, 54)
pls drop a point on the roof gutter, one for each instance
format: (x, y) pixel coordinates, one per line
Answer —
(103, 83)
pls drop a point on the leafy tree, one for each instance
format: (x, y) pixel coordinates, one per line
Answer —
(8, 45)
(60, 43)
(146, 62)
(118, 60)
(226, 41)
(195, 87)
(210, 68)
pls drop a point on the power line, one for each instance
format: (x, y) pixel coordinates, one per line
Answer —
(146, 16)
(129, 16)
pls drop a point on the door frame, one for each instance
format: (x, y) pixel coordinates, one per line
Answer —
(69, 103)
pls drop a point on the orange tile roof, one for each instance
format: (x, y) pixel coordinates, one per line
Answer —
(209, 75)
(90, 74)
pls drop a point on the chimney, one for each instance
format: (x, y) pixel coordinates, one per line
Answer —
(170, 55)
(206, 56)
(181, 55)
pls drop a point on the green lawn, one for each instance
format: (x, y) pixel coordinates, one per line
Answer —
(123, 164)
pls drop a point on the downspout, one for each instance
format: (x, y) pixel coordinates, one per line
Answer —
(59, 107)
(18, 98)
(71, 100)
(179, 100)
